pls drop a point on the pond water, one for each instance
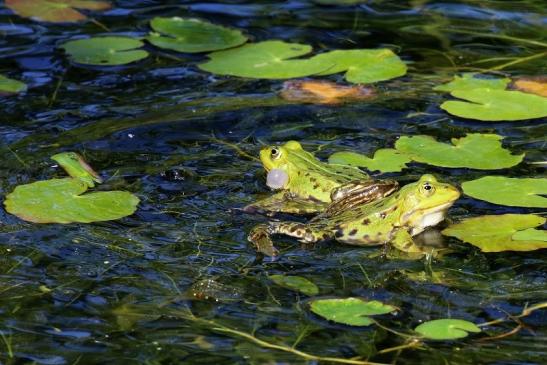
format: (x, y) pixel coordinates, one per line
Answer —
(177, 282)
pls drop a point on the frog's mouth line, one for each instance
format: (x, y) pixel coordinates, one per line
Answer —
(427, 211)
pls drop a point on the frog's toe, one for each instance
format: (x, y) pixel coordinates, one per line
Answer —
(260, 238)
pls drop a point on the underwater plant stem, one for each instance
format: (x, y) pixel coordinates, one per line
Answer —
(525, 312)
(411, 344)
(497, 36)
(519, 60)
(8, 345)
(236, 148)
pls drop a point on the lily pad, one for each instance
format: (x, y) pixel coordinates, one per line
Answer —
(525, 192)
(350, 311)
(61, 200)
(264, 60)
(363, 66)
(496, 105)
(56, 11)
(296, 283)
(475, 150)
(105, 51)
(384, 160)
(496, 233)
(446, 329)
(11, 86)
(469, 81)
(193, 35)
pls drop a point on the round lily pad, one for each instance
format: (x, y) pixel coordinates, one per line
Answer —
(193, 35)
(518, 192)
(446, 329)
(475, 150)
(471, 80)
(57, 11)
(105, 51)
(11, 86)
(296, 283)
(350, 311)
(496, 105)
(264, 60)
(363, 65)
(495, 233)
(384, 160)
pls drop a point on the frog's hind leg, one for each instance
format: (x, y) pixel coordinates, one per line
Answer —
(404, 242)
(283, 202)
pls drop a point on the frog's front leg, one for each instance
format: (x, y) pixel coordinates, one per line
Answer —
(285, 203)
(404, 242)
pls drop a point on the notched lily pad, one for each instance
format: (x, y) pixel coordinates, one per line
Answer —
(469, 81)
(517, 192)
(496, 105)
(61, 200)
(350, 311)
(495, 233)
(296, 283)
(105, 51)
(193, 35)
(363, 66)
(475, 150)
(264, 60)
(10, 86)
(384, 160)
(56, 11)
(447, 329)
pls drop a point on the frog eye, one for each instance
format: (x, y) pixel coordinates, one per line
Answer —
(427, 189)
(275, 153)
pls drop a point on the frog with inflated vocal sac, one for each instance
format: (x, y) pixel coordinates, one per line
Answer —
(394, 219)
(308, 185)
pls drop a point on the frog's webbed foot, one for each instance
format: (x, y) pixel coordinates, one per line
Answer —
(359, 192)
(283, 202)
(404, 242)
(260, 238)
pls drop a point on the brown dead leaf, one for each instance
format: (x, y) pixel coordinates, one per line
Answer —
(533, 85)
(323, 92)
(56, 11)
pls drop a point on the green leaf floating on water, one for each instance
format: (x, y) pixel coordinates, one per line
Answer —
(11, 86)
(296, 283)
(56, 11)
(446, 329)
(495, 233)
(105, 51)
(518, 192)
(61, 200)
(275, 60)
(469, 81)
(475, 150)
(363, 66)
(193, 35)
(384, 160)
(350, 311)
(496, 105)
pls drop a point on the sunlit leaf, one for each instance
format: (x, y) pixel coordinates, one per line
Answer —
(11, 86)
(193, 35)
(105, 51)
(61, 200)
(296, 283)
(519, 192)
(496, 105)
(495, 233)
(351, 311)
(533, 85)
(264, 60)
(446, 329)
(363, 66)
(55, 10)
(475, 150)
(469, 81)
(324, 92)
(384, 160)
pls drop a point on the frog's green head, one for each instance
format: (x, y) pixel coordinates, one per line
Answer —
(425, 202)
(279, 157)
(76, 167)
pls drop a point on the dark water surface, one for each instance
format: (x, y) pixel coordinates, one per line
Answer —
(171, 283)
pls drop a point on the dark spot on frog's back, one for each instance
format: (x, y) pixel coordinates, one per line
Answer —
(383, 215)
(307, 174)
(315, 186)
(339, 233)
(366, 222)
(313, 179)
(353, 232)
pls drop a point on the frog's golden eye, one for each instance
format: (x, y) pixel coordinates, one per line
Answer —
(427, 189)
(275, 153)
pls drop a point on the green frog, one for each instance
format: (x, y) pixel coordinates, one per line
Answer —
(393, 219)
(308, 185)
